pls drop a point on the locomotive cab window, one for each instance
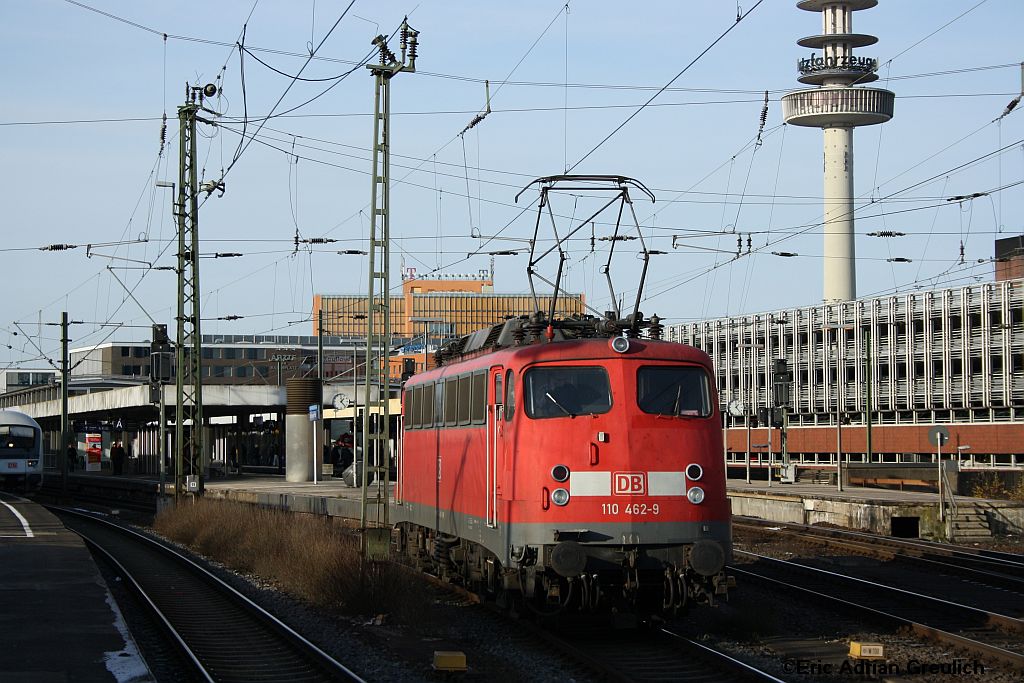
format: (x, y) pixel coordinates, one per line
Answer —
(673, 390)
(16, 439)
(566, 391)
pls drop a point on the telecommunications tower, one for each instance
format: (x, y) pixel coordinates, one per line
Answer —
(837, 107)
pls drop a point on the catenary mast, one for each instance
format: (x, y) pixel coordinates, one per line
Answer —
(837, 107)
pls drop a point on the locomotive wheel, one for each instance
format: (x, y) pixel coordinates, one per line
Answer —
(670, 601)
(681, 590)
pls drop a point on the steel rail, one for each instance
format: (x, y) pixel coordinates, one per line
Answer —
(880, 548)
(1014, 659)
(227, 659)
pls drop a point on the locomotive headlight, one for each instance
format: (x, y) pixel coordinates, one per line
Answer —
(620, 344)
(33, 463)
(694, 471)
(560, 497)
(560, 473)
(695, 495)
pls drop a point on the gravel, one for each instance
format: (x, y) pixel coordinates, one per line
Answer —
(791, 638)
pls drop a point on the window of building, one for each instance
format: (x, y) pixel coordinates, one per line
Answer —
(126, 351)
(263, 371)
(140, 351)
(219, 371)
(207, 353)
(253, 354)
(230, 354)
(242, 371)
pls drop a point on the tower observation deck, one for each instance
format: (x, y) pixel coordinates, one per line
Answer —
(837, 107)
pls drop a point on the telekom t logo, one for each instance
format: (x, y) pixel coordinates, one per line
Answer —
(629, 483)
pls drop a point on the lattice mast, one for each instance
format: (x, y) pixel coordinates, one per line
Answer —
(188, 414)
(837, 107)
(373, 516)
(188, 443)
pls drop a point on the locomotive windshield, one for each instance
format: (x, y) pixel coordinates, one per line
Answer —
(566, 391)
(673, 390)
(15, 440)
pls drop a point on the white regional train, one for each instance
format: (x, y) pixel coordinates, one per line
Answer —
(21, 451)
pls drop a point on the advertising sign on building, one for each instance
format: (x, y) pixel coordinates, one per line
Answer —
(93, 452)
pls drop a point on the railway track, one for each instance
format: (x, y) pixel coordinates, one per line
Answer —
(625, 655)
(219, 633)
(933, 562)
(137, 495)
(1006, 563)
(656, 654)
(990, 635)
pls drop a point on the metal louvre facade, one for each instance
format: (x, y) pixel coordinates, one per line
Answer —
(941, 356)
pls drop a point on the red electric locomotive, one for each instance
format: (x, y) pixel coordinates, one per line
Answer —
(570, 465)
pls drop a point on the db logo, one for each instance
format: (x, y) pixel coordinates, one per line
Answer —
(629, 483)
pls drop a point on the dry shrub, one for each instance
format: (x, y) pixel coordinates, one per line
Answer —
(1017, 492)
(989, 485)
(311, 557)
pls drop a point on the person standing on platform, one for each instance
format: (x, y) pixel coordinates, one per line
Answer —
(117, 456)
(72, 456)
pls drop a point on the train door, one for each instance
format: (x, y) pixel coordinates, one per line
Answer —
(495, 441)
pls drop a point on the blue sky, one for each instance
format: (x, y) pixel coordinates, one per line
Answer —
(85, 92)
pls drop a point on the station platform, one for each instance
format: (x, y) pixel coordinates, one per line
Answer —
(59, 621)
(882, 511)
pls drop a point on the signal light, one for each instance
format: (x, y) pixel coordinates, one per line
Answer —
(694, 471)
(560, 497)
(695, 495)
(620, 344)
(560, 473)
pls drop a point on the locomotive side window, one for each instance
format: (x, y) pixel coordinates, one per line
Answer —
(417, 409)
(510, 396)
(430, 398)
(566, 391)
(479, 409)
(451, 406)
(411, 404)
(465, 402)
(673, 390)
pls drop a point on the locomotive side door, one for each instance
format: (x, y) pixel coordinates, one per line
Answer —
(495, 441)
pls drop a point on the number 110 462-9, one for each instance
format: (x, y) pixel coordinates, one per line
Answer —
(630, 509)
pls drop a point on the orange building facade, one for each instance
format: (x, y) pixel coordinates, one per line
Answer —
(428, 312)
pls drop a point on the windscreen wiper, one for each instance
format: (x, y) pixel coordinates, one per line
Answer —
(560, 407)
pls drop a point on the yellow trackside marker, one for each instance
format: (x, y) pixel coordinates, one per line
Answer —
(867, 650)
(449, 660)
